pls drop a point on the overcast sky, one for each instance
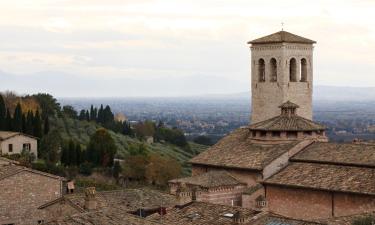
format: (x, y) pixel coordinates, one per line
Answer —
(114, 42)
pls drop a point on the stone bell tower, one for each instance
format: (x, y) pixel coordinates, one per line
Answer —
(281, 71)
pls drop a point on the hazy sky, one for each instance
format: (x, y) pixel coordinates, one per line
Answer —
(76, 42)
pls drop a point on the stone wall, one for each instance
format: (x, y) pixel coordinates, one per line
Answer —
(267, 96)
(21, 195)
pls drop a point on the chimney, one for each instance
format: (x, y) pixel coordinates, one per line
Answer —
(90, 199)
(184, 195)
(239, 218)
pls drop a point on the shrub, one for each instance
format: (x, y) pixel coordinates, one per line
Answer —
(85, 169)
(368, 220)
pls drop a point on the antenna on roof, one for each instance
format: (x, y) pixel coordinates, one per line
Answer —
(282, 26)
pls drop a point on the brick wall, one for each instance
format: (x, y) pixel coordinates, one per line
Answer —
(299, 203)
(313, 204)
(23, 193)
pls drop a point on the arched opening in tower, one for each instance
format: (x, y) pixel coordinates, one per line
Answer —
(273, 70)
(261, 70)
(303, 70)
(293, 70)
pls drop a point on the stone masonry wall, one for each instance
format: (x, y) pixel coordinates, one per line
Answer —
(17, 142)
(267, 96)
(23, 193)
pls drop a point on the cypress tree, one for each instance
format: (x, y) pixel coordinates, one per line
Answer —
(46, 125)
(24, 122)
(37, 125)
(87, 115)
(29, 123)
(8, 121)
(82, 115)
(100, 114)
(72, 153)
(79, 156)
(92, 116)
(65, 155)
(17, 118)
(3, 113)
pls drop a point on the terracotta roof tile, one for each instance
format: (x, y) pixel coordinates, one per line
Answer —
(237, 150)
(338, 153)
(326, 177)
(280, 37)
(287, 123)
(210, 179)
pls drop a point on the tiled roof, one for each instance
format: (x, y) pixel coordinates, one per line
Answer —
(289, 105)
(201, 213)
(326, 177)
(280, 37)
(338, 153)
(7, 170)
(287, 123)
(111, 217)
(272, 219)
(125, 200)
(8, 134)
(237, 150)
(210, 179)
(347, 220)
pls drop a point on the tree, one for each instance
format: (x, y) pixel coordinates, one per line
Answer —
(69, 111)
(203, 140)
(48, 104)
(162, 169)
(117, 169)
(79, 155)
(144, 129)
(17, 118)
(46, 126)
(134, 167)
(87, 116)
(3, 113)
(65, 155)
(50, 146)
(37, 125)
(82, 115)
(100, 118)
(72, 153)
(8, 121)
(101, 148)
(29, 123)
(127, 130)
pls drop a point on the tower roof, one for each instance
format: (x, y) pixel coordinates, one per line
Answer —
(288, 105)
(281, 37)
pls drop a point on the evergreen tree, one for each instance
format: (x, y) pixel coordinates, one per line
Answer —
(100, 114)
(24, 122)
(92, 115)
(3, 113)
(65, 155)
(37, 125)
(72, 153)
(79, 157)
(101, 148)
(46, 126)
(108, 116)
(87, 115)
(8, 121)
(82, 115)
(17, 118)
(29, 123)
(127, 130)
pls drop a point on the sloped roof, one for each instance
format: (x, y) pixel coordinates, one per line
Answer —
(203, 213)
(4, 135)
(210, 179)
(12, 169)
(338, 153)
(280, 37)
(287, 123)
(237, 150)
(326, 177)
(289, 105)
(106, 217)
(268, 218)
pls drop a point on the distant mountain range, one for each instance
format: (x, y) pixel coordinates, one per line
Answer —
(68, 85)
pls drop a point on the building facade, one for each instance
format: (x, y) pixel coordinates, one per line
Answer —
(14, 142)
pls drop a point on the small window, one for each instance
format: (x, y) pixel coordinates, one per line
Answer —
(275, 134)
(26, 146)
(291, 134)
(263, 133)
(10, 148)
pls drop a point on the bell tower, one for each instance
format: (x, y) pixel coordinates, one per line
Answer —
(281, 71)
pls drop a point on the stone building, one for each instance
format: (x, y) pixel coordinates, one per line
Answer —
(14, 142)
(281, 70)
(23, 190)
(284, 158)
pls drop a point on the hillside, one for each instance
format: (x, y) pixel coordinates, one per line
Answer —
(81, 131)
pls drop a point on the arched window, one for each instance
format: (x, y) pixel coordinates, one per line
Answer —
(293, 70)
(273, 69)
(303, 70)
(261, 70)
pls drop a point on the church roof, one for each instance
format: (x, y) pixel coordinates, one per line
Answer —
(238, 150)
(289, 105)
(338, 153)
(280, 37)
(287, 123)
(210, 179)
(348, 179)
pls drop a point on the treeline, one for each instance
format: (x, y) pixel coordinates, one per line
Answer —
(103, 116)
(22, 121)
